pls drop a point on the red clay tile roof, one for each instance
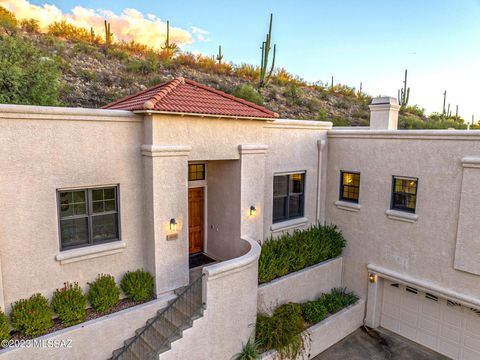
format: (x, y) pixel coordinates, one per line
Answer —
(187, 96)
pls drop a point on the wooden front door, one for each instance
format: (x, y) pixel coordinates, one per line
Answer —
(195, 220)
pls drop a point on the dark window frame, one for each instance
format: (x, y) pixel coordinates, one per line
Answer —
(393, 204)
(286, 206)
(89, 216)
(203, 172)
(342, 185)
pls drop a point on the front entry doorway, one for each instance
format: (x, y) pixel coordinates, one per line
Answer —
(196, 218)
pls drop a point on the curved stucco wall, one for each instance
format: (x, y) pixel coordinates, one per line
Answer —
(230, 293)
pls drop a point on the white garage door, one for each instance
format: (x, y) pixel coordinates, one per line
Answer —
(440, 324)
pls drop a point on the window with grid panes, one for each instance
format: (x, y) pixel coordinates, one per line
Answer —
(349, 186)
(196, 172)
(88, 216)
(288, 196)
(404, 193)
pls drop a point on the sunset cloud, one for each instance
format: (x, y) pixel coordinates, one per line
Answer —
(131, 24)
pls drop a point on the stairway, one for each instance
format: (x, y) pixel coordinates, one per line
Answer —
(166, 327)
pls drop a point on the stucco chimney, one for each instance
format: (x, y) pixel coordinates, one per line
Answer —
(384, 113)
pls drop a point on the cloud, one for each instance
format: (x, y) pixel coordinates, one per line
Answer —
(200, 34)
(131, 24)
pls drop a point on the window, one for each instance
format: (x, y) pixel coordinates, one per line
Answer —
(196, 172)
(88, 217)
(288, 196)
(349, 186)
(404, 193)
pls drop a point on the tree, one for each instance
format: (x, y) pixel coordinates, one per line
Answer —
(8, 22)
(26, 75)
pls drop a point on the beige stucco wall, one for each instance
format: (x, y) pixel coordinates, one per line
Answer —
(300, 286)
(423, 249)
(45, 149)
(293, 146)
(223, 209)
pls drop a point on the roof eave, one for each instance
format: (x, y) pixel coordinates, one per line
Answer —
(204, 115)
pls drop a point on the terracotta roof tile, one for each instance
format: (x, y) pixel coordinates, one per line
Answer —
(187, 96)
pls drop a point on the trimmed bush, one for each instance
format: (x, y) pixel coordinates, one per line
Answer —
(331, 302)
(69, 303)
(104, 293)
(281, 331)
(4, 327)
(137, 285)
(33, 316)
(314, 311)
(293, 252)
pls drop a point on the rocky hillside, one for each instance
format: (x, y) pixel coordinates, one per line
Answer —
(92, 76)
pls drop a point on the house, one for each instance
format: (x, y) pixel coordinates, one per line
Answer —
(182, 172)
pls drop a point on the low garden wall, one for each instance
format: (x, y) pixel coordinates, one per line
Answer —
(328, 332)
(300, 286)
(94, 339)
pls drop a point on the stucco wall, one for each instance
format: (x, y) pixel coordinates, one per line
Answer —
(94, 339)
(293, 146)
(223, 208)
(423, 249)
(44, 149)
(230, 290)
(300, 286)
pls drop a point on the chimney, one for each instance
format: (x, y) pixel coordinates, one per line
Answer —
(384, 113)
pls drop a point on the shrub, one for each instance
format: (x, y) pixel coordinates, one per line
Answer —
(144, 66)
(30, 25)
(68, 31)
(118, 54)
(249, 93)
(293, 94)
(331, 302)
(33, 316)
(26, 75)
(104, 293)
(293, 252)
(69, 303)
(314, 311)
(281, 331)
(339, 121)
(346, 298)
(138, 285)
(4, 327)
(250, 351)
(8, 22)
(322, 115)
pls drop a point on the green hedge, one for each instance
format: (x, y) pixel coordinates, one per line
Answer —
(104, 293)
(33, 316)
(293, 252)
(70, 304)
(137, 285)
(283, 330)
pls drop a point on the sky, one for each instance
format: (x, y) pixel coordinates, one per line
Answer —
(368, 41)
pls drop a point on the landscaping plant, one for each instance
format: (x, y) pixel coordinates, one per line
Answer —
(314, 311)
(293, 252)
(104, 293)
(69, 303)
(137, 285)
(33, 316)
(4, 327)
(282, 330)
(250, 351)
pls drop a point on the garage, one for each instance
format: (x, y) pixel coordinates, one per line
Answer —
(437, 323)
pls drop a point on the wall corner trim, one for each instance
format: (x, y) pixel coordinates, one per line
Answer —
(165, 150)
(252, 148)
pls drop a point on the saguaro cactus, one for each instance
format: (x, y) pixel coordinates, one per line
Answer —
(404, 93)
(108, 34)
(444, 110)
(264, 73)
(169, 49)
(92, 35)
(219, 56)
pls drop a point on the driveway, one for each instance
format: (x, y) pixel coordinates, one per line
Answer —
(377, 345)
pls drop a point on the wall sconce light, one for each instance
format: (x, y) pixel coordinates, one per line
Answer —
(372, 277)
(173, 224)
(253, 210)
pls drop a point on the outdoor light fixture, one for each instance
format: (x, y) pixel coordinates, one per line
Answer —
(173, 224)
(253, 210)
(372, 277)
